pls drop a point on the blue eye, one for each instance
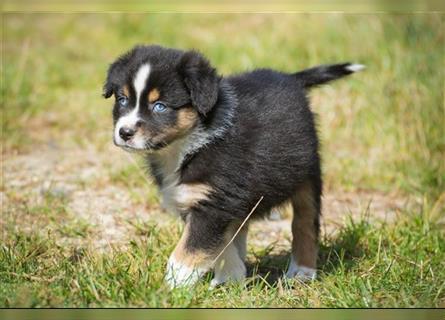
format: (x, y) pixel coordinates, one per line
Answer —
(159, 107)
(123, 101)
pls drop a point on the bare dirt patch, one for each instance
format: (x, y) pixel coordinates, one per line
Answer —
(109, 211)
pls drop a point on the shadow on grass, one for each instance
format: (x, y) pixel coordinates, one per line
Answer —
(337, 253)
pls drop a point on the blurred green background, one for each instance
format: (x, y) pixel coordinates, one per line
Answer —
(380, 129)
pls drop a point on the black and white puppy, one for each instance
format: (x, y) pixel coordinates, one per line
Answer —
(216, 146)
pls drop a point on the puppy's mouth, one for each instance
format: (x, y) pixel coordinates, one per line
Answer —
(139, 146)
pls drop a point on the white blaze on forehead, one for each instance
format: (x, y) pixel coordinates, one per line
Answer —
(130, 119)
(140, 80)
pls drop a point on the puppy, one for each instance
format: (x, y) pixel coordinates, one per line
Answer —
(217, 146)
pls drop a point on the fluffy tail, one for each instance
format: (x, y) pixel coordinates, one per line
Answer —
(325, 73)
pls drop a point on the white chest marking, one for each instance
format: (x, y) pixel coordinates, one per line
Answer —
(169, 160)
(176, 196)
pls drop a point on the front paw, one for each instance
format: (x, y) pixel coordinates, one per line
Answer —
(229, 267)
(236, 276)
(180, 275)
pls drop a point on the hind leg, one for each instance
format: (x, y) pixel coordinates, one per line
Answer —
(305, 229)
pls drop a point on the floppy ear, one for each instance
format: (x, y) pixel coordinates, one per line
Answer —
(107, 90)
(201, 80)
(113, 76)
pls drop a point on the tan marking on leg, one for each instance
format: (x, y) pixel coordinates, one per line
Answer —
(153, 95)
(200, 258)
(191, 259)
(188, 195)
(305, 240)
(185, 267)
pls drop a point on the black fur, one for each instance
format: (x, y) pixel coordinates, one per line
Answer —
(200, 79)
(262, 137)
(269, 151)
(323, 74)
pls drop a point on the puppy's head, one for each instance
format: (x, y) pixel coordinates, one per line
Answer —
(160, 95)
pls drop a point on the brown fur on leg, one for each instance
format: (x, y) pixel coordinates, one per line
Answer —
(305, 227)
(185, 267)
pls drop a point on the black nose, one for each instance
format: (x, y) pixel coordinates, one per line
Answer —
(126, 133)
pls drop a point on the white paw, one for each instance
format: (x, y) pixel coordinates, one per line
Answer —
(229, 267)
(234, 275)
(180, 275)
(214, 283)
(300, 272)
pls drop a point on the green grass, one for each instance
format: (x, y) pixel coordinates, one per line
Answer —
(382, 131)
(364, 265)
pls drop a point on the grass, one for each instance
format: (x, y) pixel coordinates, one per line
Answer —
(364, 265)
(382, 131)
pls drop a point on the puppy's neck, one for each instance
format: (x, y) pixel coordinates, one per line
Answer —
(215, 125)
(167, 162)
